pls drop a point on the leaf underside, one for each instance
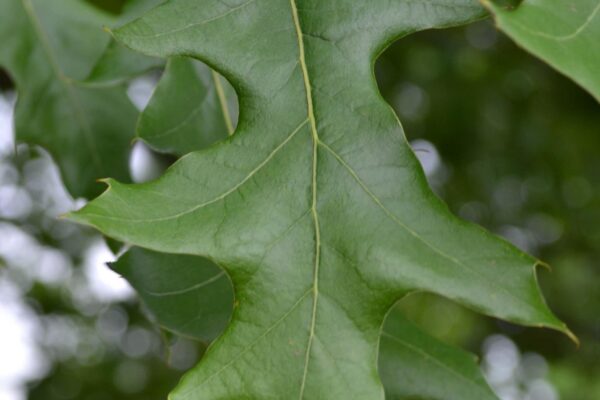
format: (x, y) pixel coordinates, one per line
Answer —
(316, 207)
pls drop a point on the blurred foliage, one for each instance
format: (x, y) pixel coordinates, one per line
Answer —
(518, 146)
(95, 345)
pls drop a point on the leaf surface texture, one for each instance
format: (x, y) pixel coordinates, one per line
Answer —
(316, 207)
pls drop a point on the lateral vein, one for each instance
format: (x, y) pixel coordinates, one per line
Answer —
(408, 229)
(215, 199)
(188, 289)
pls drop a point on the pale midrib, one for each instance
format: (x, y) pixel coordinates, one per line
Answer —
(315, 215)
(274, 324)
(223, 102)
(254, 342)
(60, 76)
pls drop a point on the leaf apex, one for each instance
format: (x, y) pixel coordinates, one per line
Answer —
(540, 263)
(81, 216)
(572, 336)
(108, 30)
(75, 216)
(108, 181)
(564, 329)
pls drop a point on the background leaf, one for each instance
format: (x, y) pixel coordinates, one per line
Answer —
(562, 33)
(46, 50)
(118, 63)
(189, 110)
(189, 295)
(413, 364)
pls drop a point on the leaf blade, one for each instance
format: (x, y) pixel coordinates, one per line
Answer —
(322, 217)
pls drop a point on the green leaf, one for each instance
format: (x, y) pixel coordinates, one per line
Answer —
(316, 207)
(192, 297)
(188, 295)
(562, 33)
(413, 364)
(46, 47)
(189, 109)
(118, 63)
